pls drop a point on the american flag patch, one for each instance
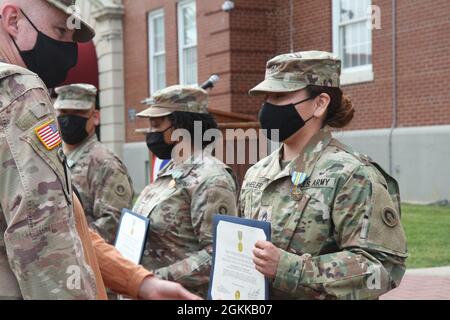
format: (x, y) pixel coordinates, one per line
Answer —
(48, 134)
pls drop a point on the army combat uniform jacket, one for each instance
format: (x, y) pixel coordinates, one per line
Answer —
(103, 183)
(181, 204)
(41, 255)
(336, 218)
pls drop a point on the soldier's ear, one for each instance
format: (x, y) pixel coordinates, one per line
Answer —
(96, 116)
(321, 102)
(9, 19)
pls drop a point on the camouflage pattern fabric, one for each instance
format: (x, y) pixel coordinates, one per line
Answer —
(78, 96)
(295, 71)
(41, 254)
(180, 205)
(176, 98)
(83, 31)
(103, 183)
(339, 230)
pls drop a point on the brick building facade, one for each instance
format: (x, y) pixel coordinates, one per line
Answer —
(402, 104)
(236, 46)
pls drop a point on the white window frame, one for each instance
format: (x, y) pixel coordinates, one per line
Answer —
(181, 5)
(352, 75)
(152, 16)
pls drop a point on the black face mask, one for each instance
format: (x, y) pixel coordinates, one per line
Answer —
(73, 128)
(50, 59)
(157, 145)
(285, 119)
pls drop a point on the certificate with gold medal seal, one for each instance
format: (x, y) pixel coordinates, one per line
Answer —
(233, 273)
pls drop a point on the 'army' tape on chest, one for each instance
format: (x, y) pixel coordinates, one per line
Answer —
(320, 183)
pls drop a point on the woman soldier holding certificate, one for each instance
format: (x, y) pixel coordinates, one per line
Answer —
(335, 214)
(193, 187)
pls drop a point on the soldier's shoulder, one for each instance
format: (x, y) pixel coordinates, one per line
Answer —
(340, 157)
(7, 70)
(214, 171)
(17, 76)
(343, 160)
(102, 156)
(15, 81)
(210, 164)
(99, 151)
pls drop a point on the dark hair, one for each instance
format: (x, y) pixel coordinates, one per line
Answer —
(97, 102)
(340, 110)
(186, 120)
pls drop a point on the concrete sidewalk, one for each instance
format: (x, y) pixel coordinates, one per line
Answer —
(422, 284)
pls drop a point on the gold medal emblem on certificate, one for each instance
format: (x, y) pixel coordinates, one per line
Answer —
(240, 244)
(132, 228)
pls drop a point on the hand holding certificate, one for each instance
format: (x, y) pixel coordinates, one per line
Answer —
(233, 274)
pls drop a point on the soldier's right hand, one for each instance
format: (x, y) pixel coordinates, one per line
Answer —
(153, 288)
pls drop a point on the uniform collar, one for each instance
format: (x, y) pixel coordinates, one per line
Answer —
(304, 162)
(307, 159)
(76, 155)
(273, 169)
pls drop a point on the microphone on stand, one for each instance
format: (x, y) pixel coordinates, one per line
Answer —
(211, 82)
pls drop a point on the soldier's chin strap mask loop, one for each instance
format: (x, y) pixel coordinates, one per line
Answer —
(50, 59)
(281, 119)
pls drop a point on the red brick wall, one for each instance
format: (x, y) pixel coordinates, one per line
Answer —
(135, 61)
(213, 52)
(237, 45)
(373, 100)
(252, 44)
(313, 31)
(423, 62)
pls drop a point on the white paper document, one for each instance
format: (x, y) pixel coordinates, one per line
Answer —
(234, 276)
(132, 236)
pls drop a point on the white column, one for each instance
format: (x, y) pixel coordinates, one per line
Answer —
(109, 46)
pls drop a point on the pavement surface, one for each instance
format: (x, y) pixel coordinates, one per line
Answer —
(422, 284)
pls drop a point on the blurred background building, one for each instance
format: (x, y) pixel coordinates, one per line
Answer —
(396, 68)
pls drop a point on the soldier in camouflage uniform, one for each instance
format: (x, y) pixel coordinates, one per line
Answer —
(39, 245)
(186, 194)
(99, 176)
(335, 214)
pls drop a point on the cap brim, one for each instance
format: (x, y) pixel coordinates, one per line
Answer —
(85, 33)
(154, 112)
(274, 85)
(73, 105)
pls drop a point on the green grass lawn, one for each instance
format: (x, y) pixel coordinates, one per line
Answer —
(428, 235)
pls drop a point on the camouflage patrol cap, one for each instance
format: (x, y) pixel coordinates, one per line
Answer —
(76, 97)
(295, 71)
(83, 31)
(176, 98)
